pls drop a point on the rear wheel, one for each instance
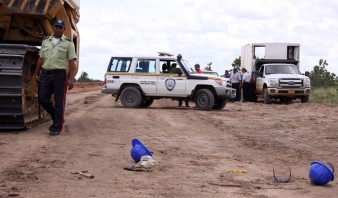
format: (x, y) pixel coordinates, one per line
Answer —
(131, 97)
(219, 104)
(267, 98)
(204, 99)
(305, 99)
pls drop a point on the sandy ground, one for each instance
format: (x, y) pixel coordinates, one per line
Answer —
(199, 152)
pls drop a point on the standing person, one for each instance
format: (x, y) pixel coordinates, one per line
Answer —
(236, 82)
(198, 68)
(226, 74)
(185, 100)
(246, 85)
(56, 53)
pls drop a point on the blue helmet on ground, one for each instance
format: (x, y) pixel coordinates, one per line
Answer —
(138, 150)
(321, 173)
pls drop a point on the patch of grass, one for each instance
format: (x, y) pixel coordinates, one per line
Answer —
(324, 95)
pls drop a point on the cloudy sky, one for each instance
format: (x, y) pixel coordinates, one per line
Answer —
(205, 31)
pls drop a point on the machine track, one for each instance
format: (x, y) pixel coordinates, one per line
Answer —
(18, 88)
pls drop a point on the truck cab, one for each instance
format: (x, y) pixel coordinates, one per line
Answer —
(275, 72)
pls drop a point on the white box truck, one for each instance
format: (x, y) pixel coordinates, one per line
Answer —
(275, 74)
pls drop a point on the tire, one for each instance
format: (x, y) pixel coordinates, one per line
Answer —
(204, 99)
(147, 102)
(219, 103)
(305, 99)
(131, 97)
(267, 98)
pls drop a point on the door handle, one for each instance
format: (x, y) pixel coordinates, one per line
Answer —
(116, 77)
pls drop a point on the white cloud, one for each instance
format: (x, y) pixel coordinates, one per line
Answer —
(204, 31)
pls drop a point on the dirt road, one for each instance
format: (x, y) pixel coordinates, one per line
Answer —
(196, 151)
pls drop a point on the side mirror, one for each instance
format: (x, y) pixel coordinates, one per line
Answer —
(307, 73)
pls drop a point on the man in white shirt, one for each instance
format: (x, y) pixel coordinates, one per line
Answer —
(236, 82)
(246, 85)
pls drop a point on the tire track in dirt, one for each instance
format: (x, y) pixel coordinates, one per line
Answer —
(24, 168)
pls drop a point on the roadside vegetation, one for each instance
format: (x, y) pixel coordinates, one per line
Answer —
(324, 84)
(324, 95)
(84, 78)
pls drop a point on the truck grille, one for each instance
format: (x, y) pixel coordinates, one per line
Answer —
(290, 82)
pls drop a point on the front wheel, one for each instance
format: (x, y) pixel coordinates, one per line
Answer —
(131, 97)
(267, 98)
(204, 99)
(305, 99)
(219, 103)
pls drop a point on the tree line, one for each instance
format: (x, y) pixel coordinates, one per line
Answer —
(84, 77)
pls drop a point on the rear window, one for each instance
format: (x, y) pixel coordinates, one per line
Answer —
(119, 65)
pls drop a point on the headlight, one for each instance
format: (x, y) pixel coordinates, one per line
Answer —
(227, 83)
(219, 82)
(307, 82)
(272, 82)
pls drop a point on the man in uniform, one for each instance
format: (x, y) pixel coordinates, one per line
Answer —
(56, 53)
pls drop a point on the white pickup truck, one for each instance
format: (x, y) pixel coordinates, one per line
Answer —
(275, 72)
(137, 81)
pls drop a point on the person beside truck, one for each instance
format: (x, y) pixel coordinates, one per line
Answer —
(246, 85)
(236, 82)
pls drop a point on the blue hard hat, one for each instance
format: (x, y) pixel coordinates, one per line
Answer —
(138, 150)
(320, 173)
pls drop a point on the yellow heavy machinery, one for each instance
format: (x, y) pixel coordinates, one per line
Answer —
(24, 24)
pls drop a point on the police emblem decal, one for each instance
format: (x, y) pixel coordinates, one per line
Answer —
(170, 84)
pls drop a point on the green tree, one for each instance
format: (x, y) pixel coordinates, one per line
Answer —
(236, 63)
(320, 77)
(84, 78)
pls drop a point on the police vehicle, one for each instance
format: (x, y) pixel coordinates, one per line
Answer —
(138, 81)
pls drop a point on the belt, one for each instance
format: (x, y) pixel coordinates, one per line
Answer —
(52, 71)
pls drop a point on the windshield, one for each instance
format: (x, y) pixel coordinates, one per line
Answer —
(187, 66)
(211, 73)
(281, 69)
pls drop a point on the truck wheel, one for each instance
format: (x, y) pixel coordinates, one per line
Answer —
(204, 99)
(131, 97)
(147, 102)
(219, 103)
(305, 99)
(267, 98)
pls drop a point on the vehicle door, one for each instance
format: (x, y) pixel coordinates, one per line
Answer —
(171, 81)
(260, 80)
(145, 75)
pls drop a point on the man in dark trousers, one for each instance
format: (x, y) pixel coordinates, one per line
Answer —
(56, 53)
(236, 82)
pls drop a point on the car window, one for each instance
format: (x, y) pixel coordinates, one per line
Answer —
(119, 64)
(168, 66)
(146, 66)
